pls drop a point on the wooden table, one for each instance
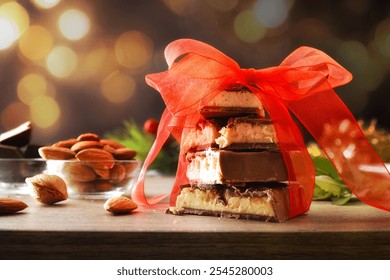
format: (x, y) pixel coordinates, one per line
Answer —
(82, 229)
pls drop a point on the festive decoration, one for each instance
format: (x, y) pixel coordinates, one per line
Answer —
(303, 84)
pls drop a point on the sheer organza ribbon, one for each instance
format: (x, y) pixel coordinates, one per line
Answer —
(302, 84)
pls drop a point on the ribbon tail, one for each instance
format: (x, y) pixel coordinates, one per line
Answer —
(138, 192)
(335, 129)
(300, 168)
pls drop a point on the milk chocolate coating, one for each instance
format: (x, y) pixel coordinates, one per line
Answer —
(258, 166)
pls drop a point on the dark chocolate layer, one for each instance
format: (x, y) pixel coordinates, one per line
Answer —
(212, 112)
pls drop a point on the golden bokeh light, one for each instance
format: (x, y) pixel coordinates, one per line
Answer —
(182, 7)
(14, 114)
(45, 111)
(118, 87)
(74, 24)
(17, 14)
(14, 20)
(8, 33)
(61, 62)
(36, 42)
(30, 87)
(99, 60)
(45, 4)
(133, 49)
(247, 28)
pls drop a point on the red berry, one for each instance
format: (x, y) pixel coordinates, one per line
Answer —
(151, 126)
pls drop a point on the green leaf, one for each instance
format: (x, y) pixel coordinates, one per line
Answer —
(320, 194)
(324, 167)
(328, 184)
(341, 200)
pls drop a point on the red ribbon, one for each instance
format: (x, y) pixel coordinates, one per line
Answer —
(302, 84)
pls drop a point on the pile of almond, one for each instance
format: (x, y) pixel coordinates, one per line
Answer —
(90, 164)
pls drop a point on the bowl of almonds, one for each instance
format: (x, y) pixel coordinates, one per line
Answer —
(92, 167)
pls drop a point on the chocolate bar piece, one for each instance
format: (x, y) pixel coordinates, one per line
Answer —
(229, 167)
(234, 102)
(260, 201)
(18, 136)
(239, 133)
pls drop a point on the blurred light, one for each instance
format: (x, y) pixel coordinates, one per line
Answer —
(16, 14)
(8, 33)
(74, 24)
(223, 5)
(45, 4)
(14, 20)
(30, 87)
(36, 42)
(95, 59)
(118, 87)
(271, 13)
(44, 111)
(182, 7)
(61, 61)
(354, 54)
(14, 114)
(247, 28)
(382, 37)
(133, 49)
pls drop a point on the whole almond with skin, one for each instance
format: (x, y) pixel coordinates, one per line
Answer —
(88, 137)
(8, 205)
(60, 153)
(125, 154)
(65, 143)
(96, 158)
(87, 144)
(111, 143)
(78, 172)
(117, 173)
(47, 189)
(120, 205)
(109, 149)
(102, 173)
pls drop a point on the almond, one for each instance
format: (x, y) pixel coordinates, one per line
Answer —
(88, 136)
(65, 143)
(103, 186)
(8, 205)
(82, 145)
(96, 158)
(78, 172)
(120, 205)
(109, 149)
(47, 189)
(60, 153)
(117, 173)
(102, 173)
(125, 154)
(111, 143)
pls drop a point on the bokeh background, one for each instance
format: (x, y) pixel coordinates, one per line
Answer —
(75, 66)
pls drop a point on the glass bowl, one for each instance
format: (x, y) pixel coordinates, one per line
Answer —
(95, 179)
(13, 172)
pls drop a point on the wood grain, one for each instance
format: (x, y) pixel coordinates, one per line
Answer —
(82, 229)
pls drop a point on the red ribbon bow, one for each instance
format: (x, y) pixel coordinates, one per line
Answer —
(303, 84)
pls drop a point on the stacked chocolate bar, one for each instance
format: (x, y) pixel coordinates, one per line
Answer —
(235, 167)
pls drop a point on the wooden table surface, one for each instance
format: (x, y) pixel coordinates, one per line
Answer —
(82, 229)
